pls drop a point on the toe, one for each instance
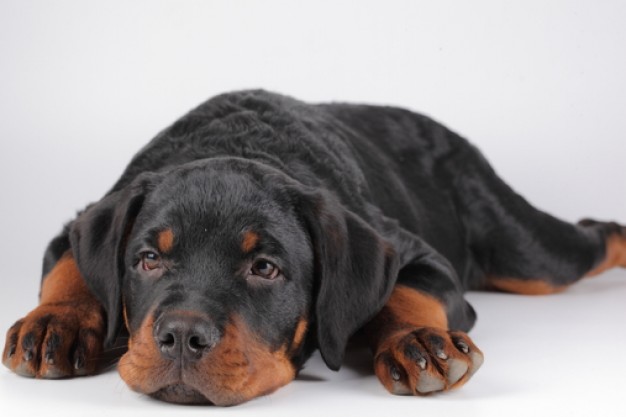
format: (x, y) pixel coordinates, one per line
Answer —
(54, 361)
(466, 346)
(429, 383)
(477, 361)
(456, 370)
(88, 350)
(25, 362)
(10, 346)
(391, 374)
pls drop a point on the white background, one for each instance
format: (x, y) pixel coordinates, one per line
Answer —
(539, 86)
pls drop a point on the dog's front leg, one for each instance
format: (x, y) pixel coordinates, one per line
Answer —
(418, 338)
(63, 336)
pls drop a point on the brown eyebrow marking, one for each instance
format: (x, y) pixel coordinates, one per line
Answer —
(250, 239)
(165, 240)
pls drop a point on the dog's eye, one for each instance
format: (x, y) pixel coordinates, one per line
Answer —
(265, 269)
(150, 261)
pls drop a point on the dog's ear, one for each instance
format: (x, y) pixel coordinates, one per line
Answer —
(98, 239)
(355, 270)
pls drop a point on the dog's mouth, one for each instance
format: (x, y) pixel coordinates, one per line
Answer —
(181, 394)
(237, 369)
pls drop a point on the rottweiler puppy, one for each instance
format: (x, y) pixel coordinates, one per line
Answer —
(258, 228)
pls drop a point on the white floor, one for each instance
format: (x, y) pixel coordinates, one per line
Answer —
(559, 355)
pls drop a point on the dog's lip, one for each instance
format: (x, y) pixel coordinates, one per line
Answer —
(181, 393)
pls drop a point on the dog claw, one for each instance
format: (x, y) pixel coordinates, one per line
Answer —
(79, 362)
(395, 374)
(463, 347)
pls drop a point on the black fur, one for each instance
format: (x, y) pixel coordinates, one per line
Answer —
(349, 200)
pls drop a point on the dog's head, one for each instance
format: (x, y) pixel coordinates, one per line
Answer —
(227, 275)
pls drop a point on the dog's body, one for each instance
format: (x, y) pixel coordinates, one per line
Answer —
(258, 228)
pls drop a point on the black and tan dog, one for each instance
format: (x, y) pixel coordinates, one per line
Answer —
(259, 228)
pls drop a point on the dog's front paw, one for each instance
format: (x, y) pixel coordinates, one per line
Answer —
(426, 360)
(56, 341)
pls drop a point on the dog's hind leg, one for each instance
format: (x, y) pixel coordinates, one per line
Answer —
(614, 237)
(523, 250)
(519, 248)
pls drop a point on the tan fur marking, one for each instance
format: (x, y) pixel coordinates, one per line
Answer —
(615, 256)
(525, 287)
(270, 370)
(407, 308)
(64, 283)
(125, 315)
(250, 239)
(416, 308)
(142, 359)
(165, 240)
(299, 334)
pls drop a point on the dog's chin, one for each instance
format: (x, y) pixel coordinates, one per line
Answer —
(181, 394)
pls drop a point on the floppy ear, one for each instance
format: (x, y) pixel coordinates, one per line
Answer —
(98, 239)
(355, 270)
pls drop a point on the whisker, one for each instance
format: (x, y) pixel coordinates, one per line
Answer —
(114, 349)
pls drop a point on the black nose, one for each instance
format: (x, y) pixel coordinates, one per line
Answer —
(184, 336)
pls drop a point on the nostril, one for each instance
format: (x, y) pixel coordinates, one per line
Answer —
(167, 335)
(197, 343)
(167, 340)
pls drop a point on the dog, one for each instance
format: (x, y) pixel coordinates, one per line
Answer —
(258, 228)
